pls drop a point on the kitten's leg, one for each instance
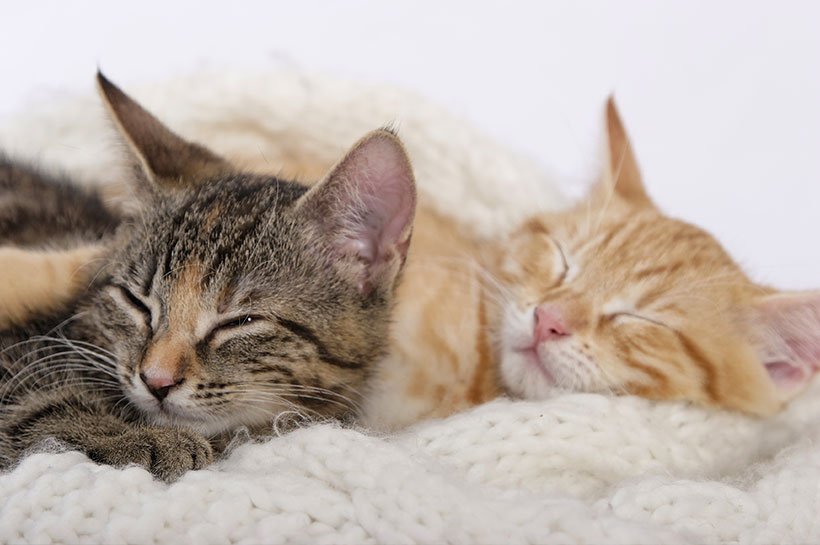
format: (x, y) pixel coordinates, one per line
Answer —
(38, 281)
(86, 424)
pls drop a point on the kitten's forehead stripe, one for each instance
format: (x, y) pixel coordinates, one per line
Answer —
(186, 293)
(173, 236)
(651, 296)
(633, 233)
(659, 270)
(609, 235)
(150, 276)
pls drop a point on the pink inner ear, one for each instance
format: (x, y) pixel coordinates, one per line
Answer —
(381, 195)
(808, 349)
(786, 376)
(366, 206)
(789, 329)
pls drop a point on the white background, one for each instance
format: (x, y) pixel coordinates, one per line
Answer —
(722, 98)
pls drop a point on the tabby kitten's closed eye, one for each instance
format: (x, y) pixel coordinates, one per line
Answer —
(227, 300)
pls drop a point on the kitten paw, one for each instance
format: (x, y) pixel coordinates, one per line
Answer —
(167, 453)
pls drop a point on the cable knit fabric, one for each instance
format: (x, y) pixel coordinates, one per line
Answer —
(578, 468)
(574, 469)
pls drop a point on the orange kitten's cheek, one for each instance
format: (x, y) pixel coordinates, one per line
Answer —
(616, 374)
(647, 360)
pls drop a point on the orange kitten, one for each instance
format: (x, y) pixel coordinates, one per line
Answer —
(610, 296)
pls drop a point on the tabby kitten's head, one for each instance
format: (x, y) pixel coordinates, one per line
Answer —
(232, 297)
(613, 296)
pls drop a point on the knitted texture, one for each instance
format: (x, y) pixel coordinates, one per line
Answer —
(578, 468)
(574, 469)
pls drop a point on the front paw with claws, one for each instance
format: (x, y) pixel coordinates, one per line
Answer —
(167, 453)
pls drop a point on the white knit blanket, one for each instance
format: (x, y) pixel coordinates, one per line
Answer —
(578, 468)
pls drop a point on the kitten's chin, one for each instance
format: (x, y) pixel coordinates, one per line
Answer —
(204, 423)
(525, 375)
(175, 415)
(170, 418)
(170, 415)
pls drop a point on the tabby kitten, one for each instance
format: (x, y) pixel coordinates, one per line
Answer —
(228, 300)
(610, 296)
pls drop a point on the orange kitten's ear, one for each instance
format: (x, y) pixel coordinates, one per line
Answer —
(621, 174)
(788, 333)
(365, 207)
(164, 159)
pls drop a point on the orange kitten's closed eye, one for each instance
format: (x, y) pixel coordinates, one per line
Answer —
(613, 296)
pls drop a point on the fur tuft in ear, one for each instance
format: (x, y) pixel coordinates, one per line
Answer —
(165, 159)
(621, 174)
(788, 334)
(365, 208)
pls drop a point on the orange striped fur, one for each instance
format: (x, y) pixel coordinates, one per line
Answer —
(653, 307)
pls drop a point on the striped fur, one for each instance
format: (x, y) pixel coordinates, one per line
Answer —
(257, 296)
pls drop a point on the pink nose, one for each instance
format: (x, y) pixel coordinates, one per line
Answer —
(549, 325)
(160, 383)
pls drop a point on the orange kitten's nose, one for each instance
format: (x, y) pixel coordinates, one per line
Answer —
(549, 324)
(159, 383)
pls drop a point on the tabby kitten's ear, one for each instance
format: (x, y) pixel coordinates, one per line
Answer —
(787, 331)
(621, 174)
(364, 209)
(164, 160)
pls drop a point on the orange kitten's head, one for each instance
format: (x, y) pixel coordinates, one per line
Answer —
(613, 296)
